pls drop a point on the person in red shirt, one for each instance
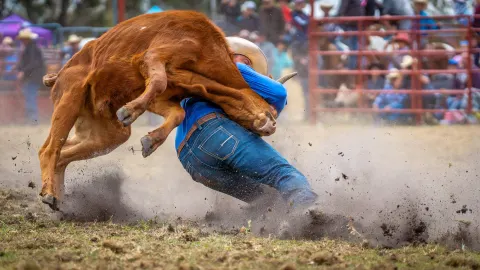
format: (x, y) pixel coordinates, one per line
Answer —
(287, 12)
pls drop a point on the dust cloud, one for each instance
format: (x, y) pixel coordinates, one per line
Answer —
(400, 184)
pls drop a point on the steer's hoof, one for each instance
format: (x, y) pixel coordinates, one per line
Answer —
(125, 116)
(51, 201)
(147, 146)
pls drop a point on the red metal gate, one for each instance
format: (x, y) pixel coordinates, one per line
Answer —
(467, 32)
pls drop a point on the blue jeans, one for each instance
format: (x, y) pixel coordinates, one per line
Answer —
(30, 93)
(225, 157)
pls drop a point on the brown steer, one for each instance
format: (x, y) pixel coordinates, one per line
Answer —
(150, 62)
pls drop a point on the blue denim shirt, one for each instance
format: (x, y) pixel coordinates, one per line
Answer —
(195, 108)
(390, 99)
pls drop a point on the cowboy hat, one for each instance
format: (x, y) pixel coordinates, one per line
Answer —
(73, 39)
(7, 41)
(326, 4)
(27, 34)
(402, 37)
(407, 61)
(251, 51)
(420, 1)
(248, 5)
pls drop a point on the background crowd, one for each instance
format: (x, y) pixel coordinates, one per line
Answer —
(280, 28)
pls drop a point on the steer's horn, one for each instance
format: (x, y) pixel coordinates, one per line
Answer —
(287, 77)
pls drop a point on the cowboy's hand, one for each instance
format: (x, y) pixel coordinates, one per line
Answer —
(20, 75)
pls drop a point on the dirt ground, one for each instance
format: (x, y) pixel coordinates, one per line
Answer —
(394, 181)
(412, 191)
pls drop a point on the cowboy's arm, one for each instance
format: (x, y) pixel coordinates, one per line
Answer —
(272, 91)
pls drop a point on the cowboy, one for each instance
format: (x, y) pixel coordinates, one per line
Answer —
(222, 155)
(72, 48)
(31, 69)
(9, 59)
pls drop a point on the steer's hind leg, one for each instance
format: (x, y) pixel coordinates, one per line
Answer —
(66, 112)
(173, 114)
(93, 137)
(156, 83)
(99, 136)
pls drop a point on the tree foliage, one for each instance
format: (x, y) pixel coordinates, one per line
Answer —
(88, 12)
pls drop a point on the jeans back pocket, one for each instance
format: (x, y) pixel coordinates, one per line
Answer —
(220, 145)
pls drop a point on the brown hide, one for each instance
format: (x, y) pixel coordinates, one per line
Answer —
(150, 62)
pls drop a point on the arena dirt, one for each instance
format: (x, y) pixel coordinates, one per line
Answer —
(400, 184)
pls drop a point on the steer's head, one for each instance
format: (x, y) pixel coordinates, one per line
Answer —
(249, 109)
(252, 112)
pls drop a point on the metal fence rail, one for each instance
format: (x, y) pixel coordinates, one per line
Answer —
(417, 36)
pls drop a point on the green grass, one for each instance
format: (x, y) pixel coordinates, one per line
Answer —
(43, 243)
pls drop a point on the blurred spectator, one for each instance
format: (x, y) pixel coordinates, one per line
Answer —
(476, 24)
(300, 60)
(475, 72)
(326, 8)
(300, 21)
(389, 101)
(401, 42)
(281, 59)
(440, 81)
(398, 8)
(71, 49)
(266, 46)
(31, 69)
(370, 7)
(272, 23)
(408, 63)
(375, 81)
(349, 8)
(231, 10)
(3, 51)
(346, 97)
(426, 23)
(375, 44)
(461, 8)
(249, 19)
(453, 101)
(4, 46)
(331, 62)
(453, 64)
(286, 11)
(10, 59)
(244, 34)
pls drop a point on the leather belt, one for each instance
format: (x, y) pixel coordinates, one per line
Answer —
(199, 122)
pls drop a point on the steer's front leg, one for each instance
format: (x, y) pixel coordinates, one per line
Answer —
(173, 114)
